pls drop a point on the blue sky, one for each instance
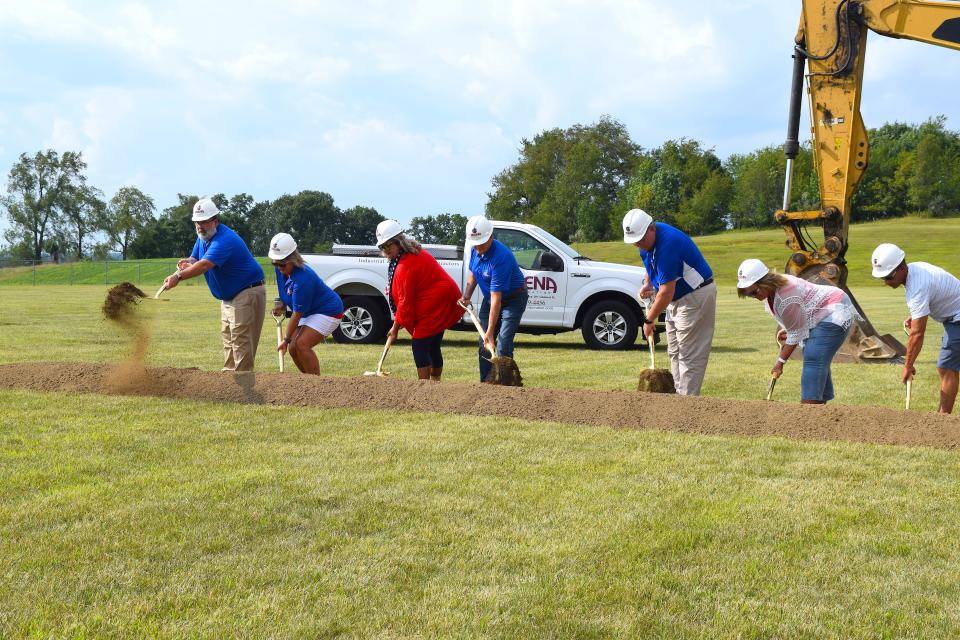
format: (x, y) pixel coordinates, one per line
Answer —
(409, 107)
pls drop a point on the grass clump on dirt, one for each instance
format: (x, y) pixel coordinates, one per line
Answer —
(120, 517)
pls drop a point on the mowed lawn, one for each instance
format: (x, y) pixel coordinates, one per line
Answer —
(140, 517)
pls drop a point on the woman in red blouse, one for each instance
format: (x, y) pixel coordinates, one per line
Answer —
(422, 296)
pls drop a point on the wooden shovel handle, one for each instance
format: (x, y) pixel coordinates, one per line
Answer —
(483, 335)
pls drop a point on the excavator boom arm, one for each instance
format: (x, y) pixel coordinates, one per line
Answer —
(829, 52)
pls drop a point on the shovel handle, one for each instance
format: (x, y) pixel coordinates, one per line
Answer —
(909, 389)
(653, 362)
(279, 341)
(483, 336)
(773, 383)
(383, 356)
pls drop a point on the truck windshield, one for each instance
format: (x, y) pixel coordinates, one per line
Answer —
(570, 251)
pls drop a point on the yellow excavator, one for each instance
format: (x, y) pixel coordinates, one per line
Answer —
(829, 51)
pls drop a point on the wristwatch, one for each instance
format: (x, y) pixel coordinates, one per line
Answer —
(648, 321)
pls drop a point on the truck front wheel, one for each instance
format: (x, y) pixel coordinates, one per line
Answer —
(363, 321)
(609, 325)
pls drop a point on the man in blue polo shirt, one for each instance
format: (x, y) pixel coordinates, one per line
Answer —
(495, 270)
(683, 283)
(234, 277)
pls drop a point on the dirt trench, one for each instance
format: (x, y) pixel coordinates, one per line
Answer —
(617, 409)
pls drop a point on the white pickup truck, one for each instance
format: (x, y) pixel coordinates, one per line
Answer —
(568, 291)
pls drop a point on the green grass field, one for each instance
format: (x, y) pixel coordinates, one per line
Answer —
(139, 517)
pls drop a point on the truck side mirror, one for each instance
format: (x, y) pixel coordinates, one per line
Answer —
(550, 261)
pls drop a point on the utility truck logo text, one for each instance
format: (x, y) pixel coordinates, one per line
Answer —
(541, 283)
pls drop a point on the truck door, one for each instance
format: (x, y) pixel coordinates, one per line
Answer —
(545, 275)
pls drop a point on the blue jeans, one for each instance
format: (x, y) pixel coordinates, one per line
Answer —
(824, 341)
(510, 313)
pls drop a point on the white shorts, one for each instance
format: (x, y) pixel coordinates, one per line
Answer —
(324, 325)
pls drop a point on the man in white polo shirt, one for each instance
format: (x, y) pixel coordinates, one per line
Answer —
(931, 292)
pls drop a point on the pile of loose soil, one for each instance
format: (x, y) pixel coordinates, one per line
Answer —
(620, 409)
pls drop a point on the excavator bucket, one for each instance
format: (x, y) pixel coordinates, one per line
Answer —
(861, 346)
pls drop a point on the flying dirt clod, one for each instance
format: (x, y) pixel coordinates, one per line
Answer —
(121, 301)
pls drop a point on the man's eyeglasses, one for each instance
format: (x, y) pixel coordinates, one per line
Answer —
(890, 276)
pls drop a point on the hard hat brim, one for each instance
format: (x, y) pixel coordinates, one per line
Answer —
(483, 238)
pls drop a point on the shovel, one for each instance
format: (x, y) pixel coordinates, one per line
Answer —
(910, 380)
(380, 373)
(280, 320)
(505, 370)
(652, 379)
(773, 383)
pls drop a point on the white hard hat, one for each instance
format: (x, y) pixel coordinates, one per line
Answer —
(635, 224)
(387, 230)
(479, 230)
(281, 246)
(886, 258)
(204, 209)
(749, 272)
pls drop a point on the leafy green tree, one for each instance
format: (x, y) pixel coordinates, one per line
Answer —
(758, 179)
(84, 213)
(668, 182)
(567, 180)
(172, 234)
(310, 217)
(36, 187)
(359, 225)
(445, 228)
(129, 211)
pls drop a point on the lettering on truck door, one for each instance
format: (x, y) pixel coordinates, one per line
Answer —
(546, 278)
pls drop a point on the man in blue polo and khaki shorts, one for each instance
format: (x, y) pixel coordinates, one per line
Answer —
(234, 277)
(683, 283)
(931, 293)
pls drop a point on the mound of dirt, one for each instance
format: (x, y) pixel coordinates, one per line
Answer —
(630, 410)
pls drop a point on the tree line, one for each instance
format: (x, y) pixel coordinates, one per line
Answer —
(576, 183)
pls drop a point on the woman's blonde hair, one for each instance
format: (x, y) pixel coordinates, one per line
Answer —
(295, 259)
(406, 244)
(770, 282)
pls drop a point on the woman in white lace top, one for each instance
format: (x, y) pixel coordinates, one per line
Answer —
(816, 317)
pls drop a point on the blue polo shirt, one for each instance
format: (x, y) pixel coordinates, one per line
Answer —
(496, 270)
(234, 269)
(674, 256)
(306, 292)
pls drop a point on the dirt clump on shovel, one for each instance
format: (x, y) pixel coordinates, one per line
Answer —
(504, 372)
(656, 381)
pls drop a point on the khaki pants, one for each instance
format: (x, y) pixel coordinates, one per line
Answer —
(241, 321)
(690, 323)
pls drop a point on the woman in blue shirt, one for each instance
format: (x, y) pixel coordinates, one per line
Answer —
(317, 309)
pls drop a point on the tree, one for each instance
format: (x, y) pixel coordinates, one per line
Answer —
(172, 234)
(446, 228)
(310, 217)
(567, 180)
(358, 225)
(758, 187)
(37, 186)
(83, 215)
(129, 211)
(683, 184)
